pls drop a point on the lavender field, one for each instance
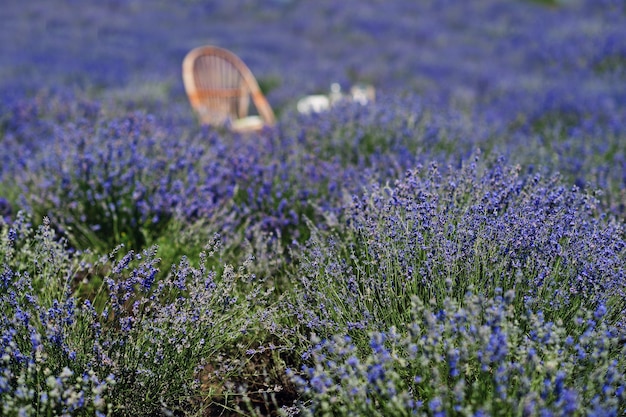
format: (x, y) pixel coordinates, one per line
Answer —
(456, 247)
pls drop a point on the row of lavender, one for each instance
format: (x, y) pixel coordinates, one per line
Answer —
(416, 256)
(478, 289)
(108, 180)
(363, 261)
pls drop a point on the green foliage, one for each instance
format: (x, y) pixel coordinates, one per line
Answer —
(269, 83)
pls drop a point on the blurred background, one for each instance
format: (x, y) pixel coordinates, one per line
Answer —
(509, 57)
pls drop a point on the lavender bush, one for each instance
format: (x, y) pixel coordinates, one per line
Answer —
(140, 346)
(42, 373)
(434, 254)
(470, 357)
(488, 227)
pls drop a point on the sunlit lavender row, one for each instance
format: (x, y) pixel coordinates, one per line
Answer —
(455, 247)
